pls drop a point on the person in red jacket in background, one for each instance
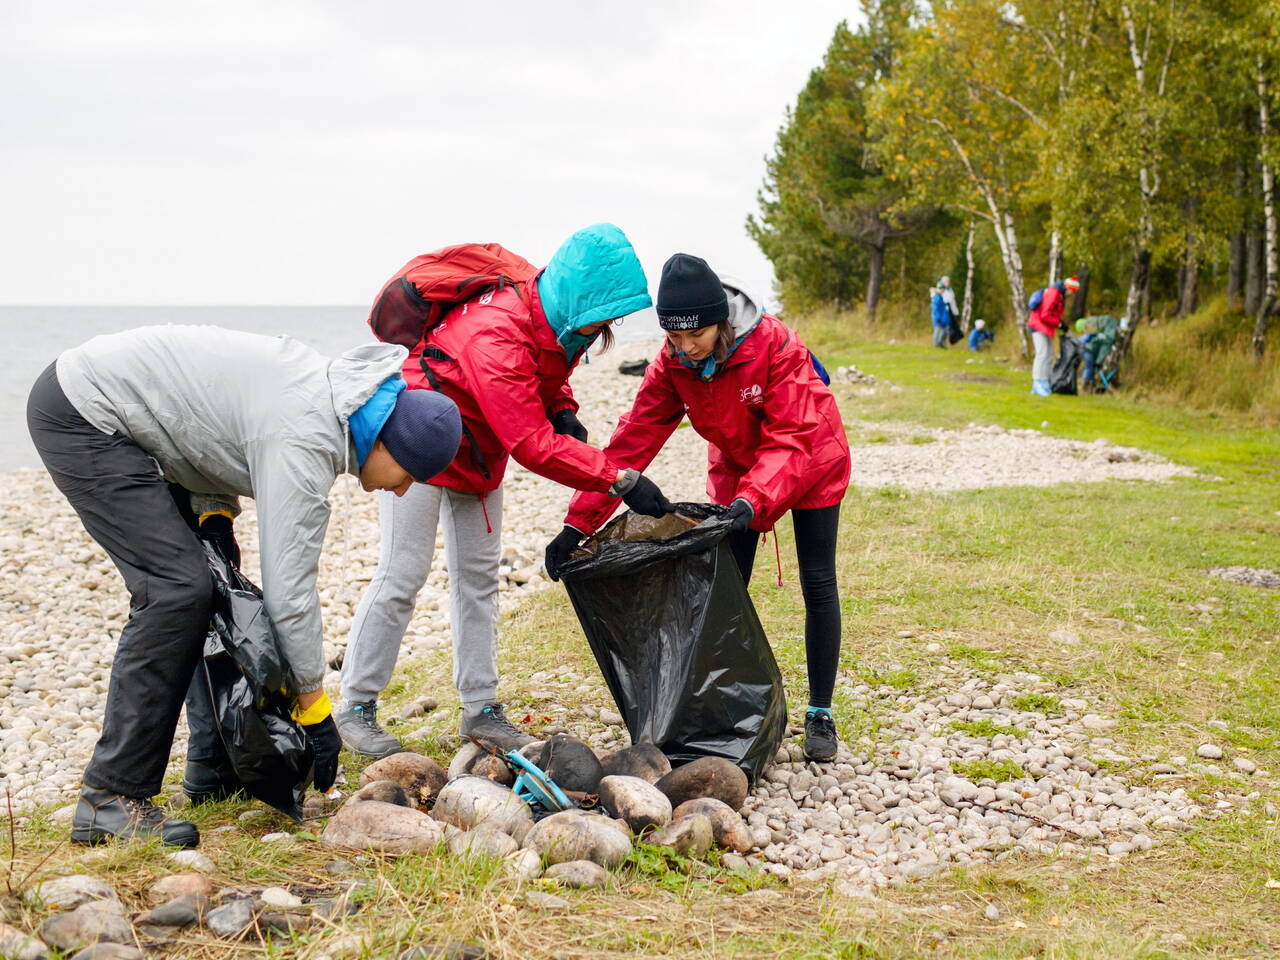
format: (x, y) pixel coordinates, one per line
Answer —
(1044, 320)
(777, 443)
(504, 358)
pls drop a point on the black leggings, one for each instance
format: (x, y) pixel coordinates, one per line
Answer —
(816, 552)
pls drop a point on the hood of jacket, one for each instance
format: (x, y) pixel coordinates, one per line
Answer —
(356, 376)
(745, 311)
(594, 276)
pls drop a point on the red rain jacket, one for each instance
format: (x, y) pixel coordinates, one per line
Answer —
(775, 433)
(1047, 317)
(507, 374)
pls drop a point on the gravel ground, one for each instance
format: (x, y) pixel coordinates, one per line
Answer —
(890, 809)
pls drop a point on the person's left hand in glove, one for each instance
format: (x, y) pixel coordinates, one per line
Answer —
(561, 549)
(316, 720)
(216, 529)
(566, 421)
(740, 516)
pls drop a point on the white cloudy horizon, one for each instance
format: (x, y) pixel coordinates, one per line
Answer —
(298, 152)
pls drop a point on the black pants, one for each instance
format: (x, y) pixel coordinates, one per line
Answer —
(815, 532)
(126, 505)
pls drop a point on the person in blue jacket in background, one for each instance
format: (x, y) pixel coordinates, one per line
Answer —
(980, 336)
(942, 307)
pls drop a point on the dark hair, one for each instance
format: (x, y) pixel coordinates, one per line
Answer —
(605, 338)
(724, 340)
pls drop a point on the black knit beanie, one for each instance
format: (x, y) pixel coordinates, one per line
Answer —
(690, 295)
(422, 433)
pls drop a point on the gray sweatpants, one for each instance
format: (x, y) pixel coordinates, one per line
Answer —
(1042, 365)
(408, 529)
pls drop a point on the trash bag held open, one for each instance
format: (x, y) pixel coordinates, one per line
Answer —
(677, 638)
(251, 691)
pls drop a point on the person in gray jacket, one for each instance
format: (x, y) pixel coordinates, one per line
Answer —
(152, 434)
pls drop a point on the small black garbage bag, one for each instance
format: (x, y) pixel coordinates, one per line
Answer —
(677, 638)
(1065, 369)
(252, 692)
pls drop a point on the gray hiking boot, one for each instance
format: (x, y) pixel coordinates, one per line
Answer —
(358, 727)
(491, 725)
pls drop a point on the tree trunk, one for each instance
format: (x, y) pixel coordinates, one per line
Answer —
(966, 308)
(1268, 299)
(1007, 238)
(1188, 279)
(1235, 272)
(1055, 257)
(1252, 271)
(1140, 277)
(876, 270)
(1080, 302)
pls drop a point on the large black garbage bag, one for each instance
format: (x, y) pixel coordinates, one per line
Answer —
(1070, 356)
(252, 692)
(677, 638)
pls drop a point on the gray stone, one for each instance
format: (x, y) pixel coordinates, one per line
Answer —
(230, 919)
(992, 912)
(178, 912)
(1209, 751)
(192, 860)
(279, 897)
(576, 835)
(179, 885)
(706, 777)
(1245, 765)
(109, 951)
(454, 950)
(384, 791)
(571, 764)
(546, 901)
(638, 802)
(67, 893)
(471, 800)
(16, 945)
(483, 841)
(85, 926)
(690, 836)
(580, 874)
(374, 825)
(524, 864)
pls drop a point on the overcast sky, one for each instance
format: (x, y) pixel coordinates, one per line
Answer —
(299, 152)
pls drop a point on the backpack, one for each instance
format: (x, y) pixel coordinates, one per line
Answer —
(1034, 302)
(427, 287)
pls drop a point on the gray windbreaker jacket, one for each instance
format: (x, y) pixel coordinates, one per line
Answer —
(236, 414)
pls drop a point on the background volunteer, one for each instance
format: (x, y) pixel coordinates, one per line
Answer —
(1043, 321)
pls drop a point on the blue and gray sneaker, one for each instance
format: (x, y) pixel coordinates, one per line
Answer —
(489, 724)
(360, 732)
(820, 739)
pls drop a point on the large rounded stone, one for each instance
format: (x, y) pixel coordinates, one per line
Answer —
(66, 893)
(180, 885)
(575, 835)
(471, 800)
(638, 802)
(16, 945)
(728, 829)
(571, 764)
(691, 836)
(374, 825)
(483, 841)
(642, 760)
(421, 777)
(580, 874)
(706, 777)
(467, 755)
(84, 926)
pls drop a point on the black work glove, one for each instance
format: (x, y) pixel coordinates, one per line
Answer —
(216, 529)
(561, 549)
(326, 743)
(740, 516)
(643, 496)
(566, 421)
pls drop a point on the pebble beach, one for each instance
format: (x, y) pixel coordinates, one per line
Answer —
(886, 811)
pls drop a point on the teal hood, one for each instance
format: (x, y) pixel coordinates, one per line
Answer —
(594, 276)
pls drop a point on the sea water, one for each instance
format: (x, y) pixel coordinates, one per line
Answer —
(34, 336)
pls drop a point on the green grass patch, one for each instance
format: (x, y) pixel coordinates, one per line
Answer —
(1045, 703)
(985, 728)
(1001, 771)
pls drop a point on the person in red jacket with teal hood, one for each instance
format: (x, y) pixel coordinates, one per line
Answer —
(504, 358)
(1044, 320)
(776, 443)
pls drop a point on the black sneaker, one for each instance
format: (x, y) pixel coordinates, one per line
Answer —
(820, 739)
(102, 816)
(207, 783)
(491, 726)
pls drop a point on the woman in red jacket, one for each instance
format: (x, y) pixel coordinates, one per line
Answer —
(777, 443)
